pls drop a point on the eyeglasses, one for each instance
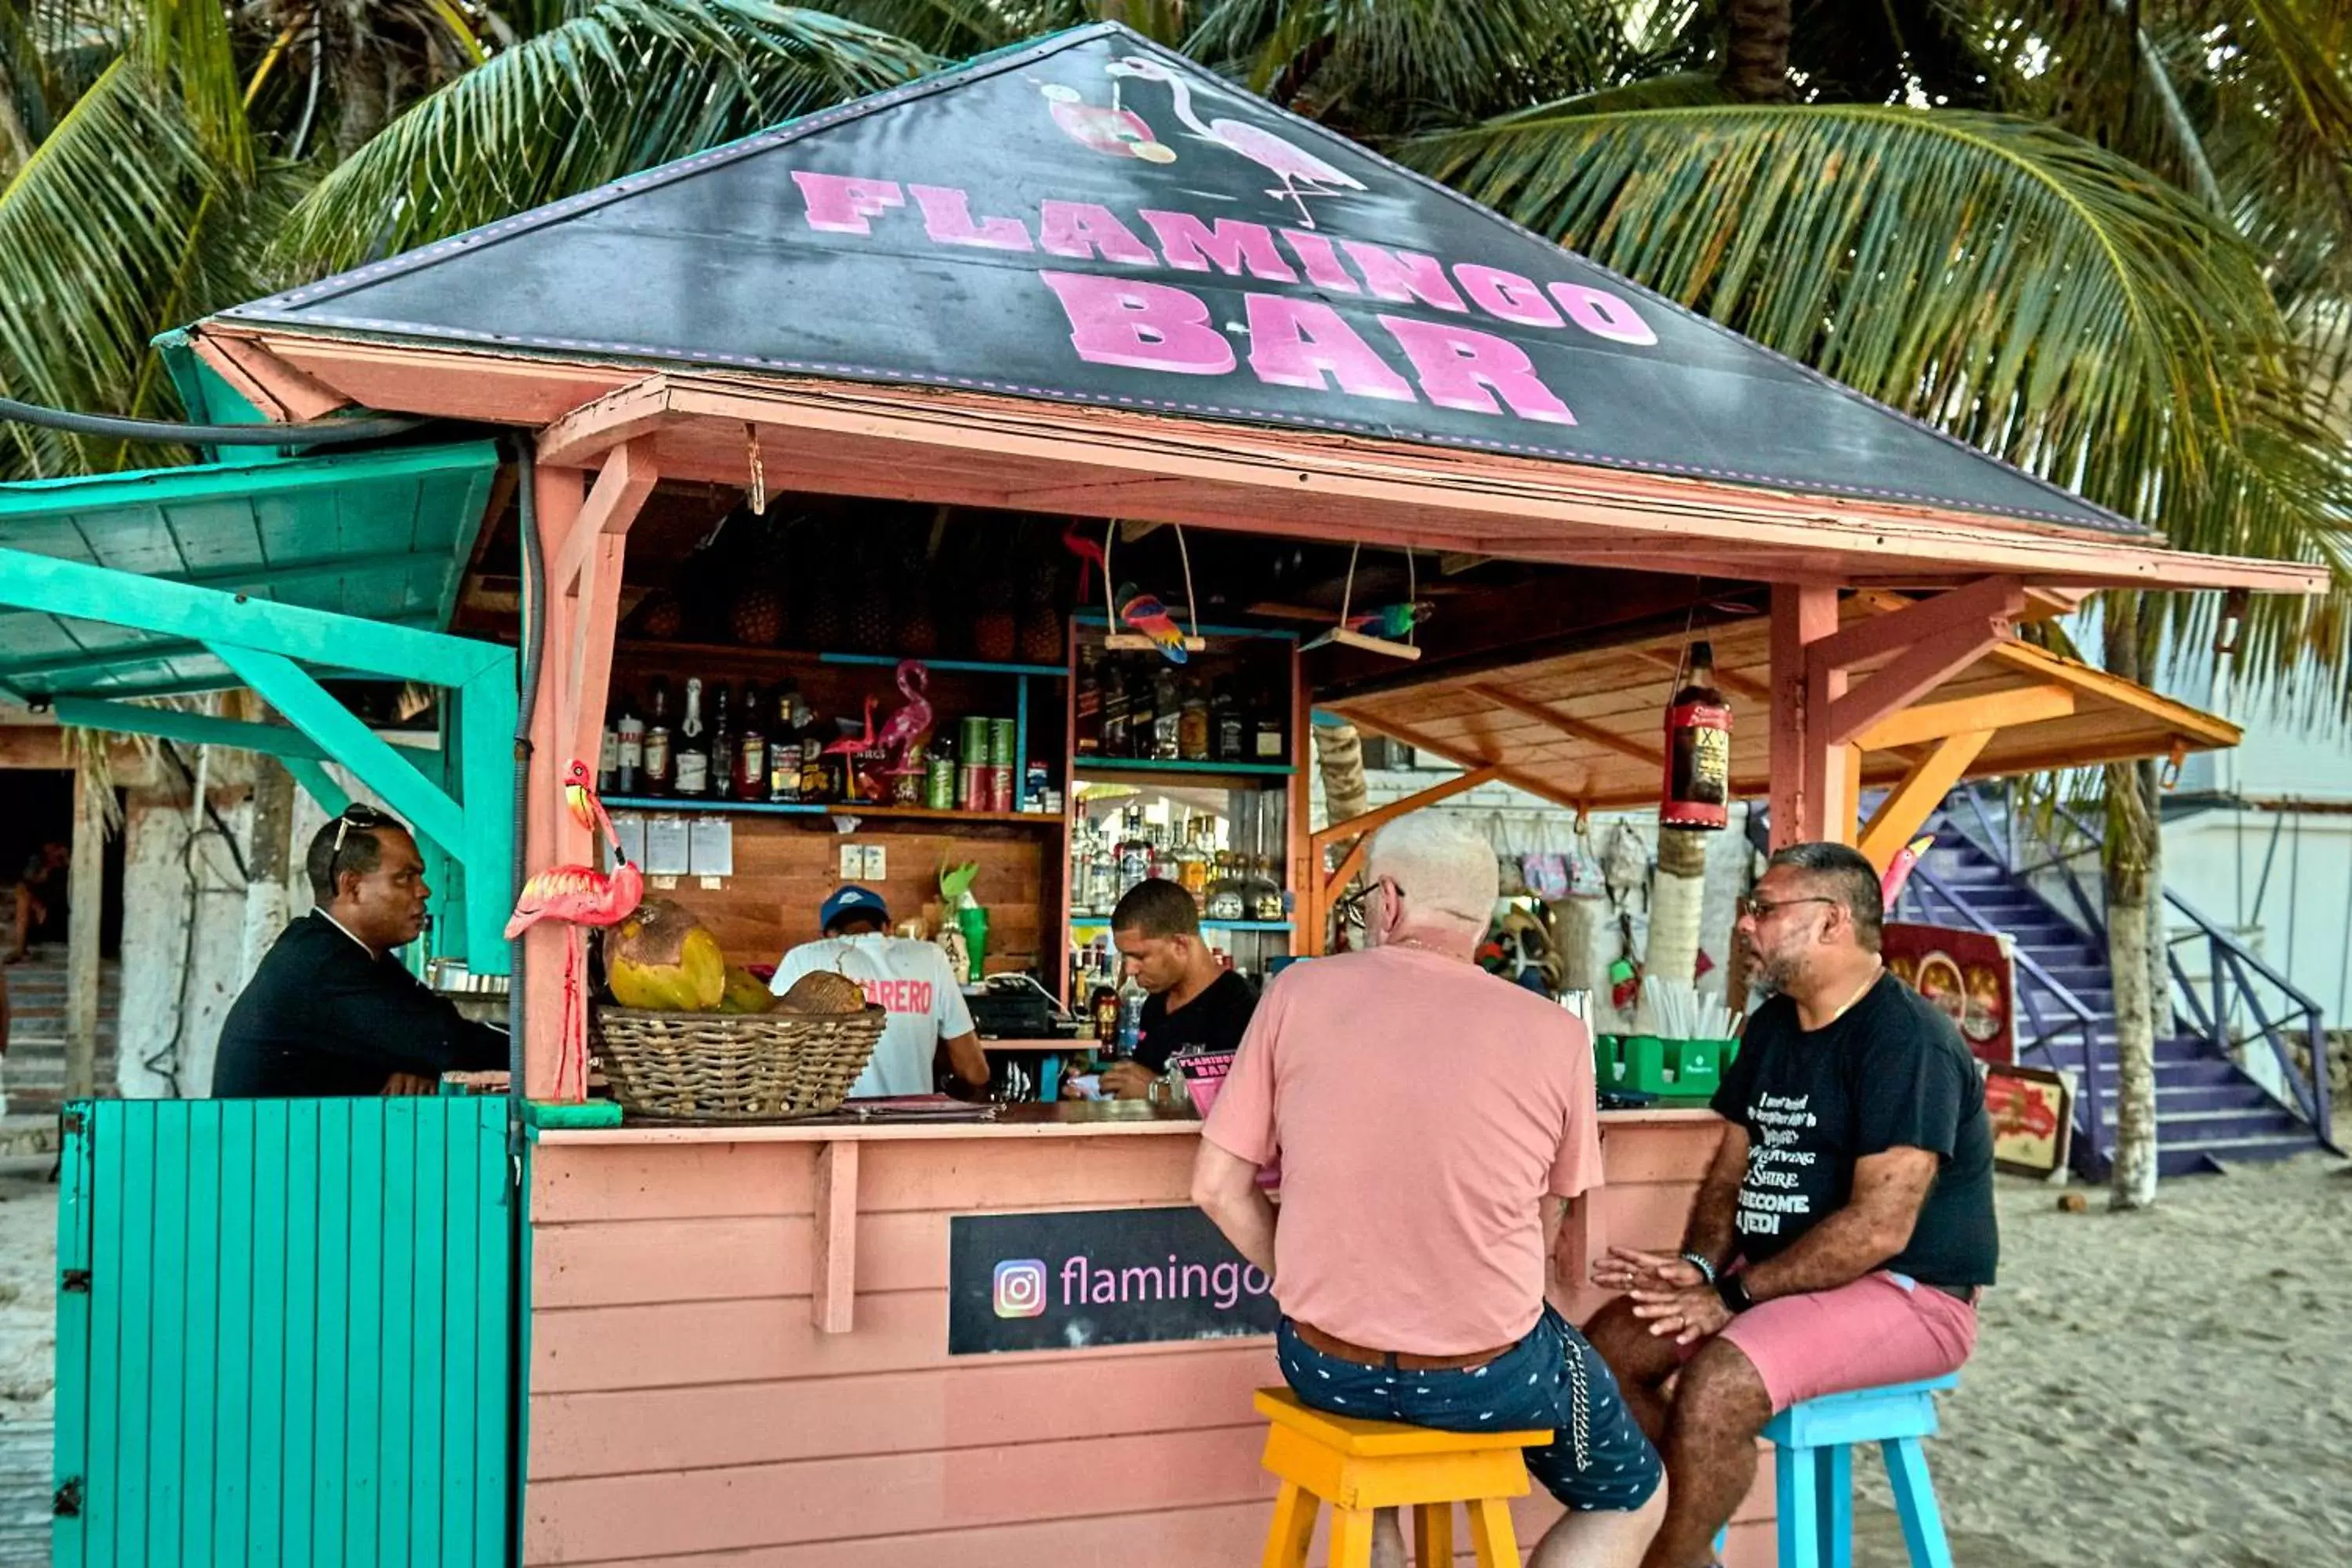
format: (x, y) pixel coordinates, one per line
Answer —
(1753, 908)
(362, 816)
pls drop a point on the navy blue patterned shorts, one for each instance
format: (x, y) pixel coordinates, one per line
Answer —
(1597, 1458)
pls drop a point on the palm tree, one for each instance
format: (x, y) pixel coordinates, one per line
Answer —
(2109, 242)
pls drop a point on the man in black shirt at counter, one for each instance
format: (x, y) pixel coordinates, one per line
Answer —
(1196, 1004)
(1845, 1230)
(329, 1011)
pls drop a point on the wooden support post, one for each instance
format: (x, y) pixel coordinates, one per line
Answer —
(551, 838)
(85, 896)
(1801, 692)
(1910, 803)
(832, 1295)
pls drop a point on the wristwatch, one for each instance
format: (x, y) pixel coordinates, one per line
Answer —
(1734, 1291)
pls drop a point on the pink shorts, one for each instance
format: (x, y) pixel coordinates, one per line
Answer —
(1882, 1329)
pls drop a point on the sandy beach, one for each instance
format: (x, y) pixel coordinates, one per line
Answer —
(28, 1250)
(2167, 1387)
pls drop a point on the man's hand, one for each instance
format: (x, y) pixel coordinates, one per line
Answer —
(411, 1083)
(1625, 1269)
(1687, 1314)
(1128, 1080)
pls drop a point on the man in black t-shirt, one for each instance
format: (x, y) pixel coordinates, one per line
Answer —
(1196, 1003)
(1846, 1229)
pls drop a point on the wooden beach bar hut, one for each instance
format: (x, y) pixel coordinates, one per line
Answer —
(1084, 279)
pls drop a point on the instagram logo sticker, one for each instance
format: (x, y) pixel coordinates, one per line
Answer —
(1021, 1288)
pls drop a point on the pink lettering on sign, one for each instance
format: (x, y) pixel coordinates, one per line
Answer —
(1457, 366)
(1297, 343)
(1084, 230)
(947, 218)
(1316, 254)
(1143, 326)
(1505, 295)
(1404, 277)
(1230, 245)
(838, 204)
(1603, 314)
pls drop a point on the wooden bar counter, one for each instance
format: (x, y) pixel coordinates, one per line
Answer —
(738, 1350)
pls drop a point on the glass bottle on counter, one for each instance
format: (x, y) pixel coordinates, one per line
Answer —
(1129, 1033)
(784, 748)
(1192, 862)
(1134, 855)
(693, 761)
(1231, 730)
(1167, 715)
(1265, 891)
(721, 776)
(1193, 722)
(1227, 900)
(1088, 732)
(750, 760)
(658, 771)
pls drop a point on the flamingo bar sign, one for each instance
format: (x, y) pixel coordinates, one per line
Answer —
(1094, 219)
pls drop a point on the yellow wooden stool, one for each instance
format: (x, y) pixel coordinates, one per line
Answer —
(1359, 1465)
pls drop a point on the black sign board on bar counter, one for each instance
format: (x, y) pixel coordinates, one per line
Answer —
(1078, 1279)
(1093, 219)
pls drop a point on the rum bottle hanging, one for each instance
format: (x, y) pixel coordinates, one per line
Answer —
(1698, 750)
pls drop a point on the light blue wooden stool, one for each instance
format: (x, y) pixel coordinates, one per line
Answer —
(1814, 1460)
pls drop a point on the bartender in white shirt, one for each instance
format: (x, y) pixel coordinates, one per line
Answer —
(908, 979)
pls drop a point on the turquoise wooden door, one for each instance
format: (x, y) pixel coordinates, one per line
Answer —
(282, 1334)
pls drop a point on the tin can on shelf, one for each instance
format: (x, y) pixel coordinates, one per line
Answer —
(906, 788)
(971, 787)
(1004, 744)
(972, 741)
(1000, 787)
(939, 782)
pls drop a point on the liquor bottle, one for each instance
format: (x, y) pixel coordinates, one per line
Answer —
(1134, 855)
(1193, 724)
(1193, 863)
(1267, 747)
(1115, 710)
(1167, 715)
(1102, 872)
(630, 751)
(816, 784)
(1105, 1006)
(1266, 892)
(1143, 715)
(608, 755)
(1088, 734)
(1232, 730)
(721, 776)
(660, 776)
(751, 749)
(1130, 1035)
(784, 748)
(693, 765)
(1226, 901)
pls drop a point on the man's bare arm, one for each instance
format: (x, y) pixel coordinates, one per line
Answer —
(1711, 1232)
(1874, 1225)
(1226, 1188)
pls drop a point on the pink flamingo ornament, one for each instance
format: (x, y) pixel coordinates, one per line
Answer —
(1898, 870)
(849, 746)
(911, 723)
(1302, 173)
(579, 896)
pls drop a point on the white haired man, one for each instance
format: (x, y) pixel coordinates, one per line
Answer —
(1432, 1121)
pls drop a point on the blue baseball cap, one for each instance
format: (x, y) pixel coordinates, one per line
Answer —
(852, 900)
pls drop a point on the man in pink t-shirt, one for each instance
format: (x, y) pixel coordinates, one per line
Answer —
(1432, 1123)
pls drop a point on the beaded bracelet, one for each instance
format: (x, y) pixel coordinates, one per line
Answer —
(1700, 1262)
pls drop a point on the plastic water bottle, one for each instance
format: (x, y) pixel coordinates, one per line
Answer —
(1131, 997)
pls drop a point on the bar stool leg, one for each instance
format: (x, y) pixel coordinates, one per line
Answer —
(1796, 1487)
(1433, 1535)
(1293, 1528)
(1352, 1537)
(1835, 1479)
(1492, 1539)
(1915, 1502)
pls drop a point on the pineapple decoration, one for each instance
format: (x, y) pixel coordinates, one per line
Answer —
(918, 633)
(822, 617)
(995, 628)
(1041, 611)
(756, 616)
(873, 618)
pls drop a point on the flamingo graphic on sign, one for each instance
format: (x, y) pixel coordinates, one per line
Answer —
(1302, 173)
(1121, 133)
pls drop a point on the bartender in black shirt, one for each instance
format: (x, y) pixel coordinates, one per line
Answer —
(1196, 1003)
(329, 1011)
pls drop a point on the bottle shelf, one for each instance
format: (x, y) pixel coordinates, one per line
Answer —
(736, 656)
(836, 808)
(1111, 770)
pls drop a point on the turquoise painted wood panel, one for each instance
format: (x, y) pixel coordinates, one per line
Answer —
(292, 1347)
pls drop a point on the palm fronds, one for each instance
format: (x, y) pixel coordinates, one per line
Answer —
(569, 110)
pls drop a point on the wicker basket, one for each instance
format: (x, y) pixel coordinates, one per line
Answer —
(728, 1067)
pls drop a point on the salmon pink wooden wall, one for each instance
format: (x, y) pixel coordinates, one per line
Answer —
(685, 1408)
